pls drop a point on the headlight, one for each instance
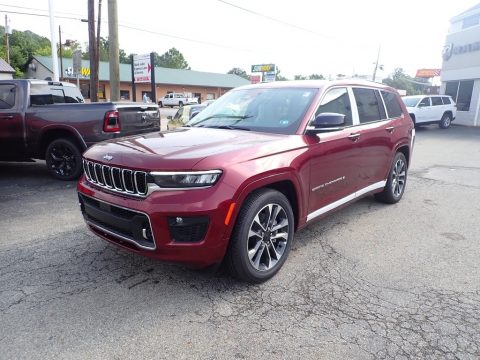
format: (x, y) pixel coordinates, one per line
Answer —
(187, 179)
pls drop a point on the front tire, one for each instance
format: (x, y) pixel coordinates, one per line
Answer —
(445, 122)
(64, 159)
(262, 237)
(397, 180)
(180, 104)
(160, 104)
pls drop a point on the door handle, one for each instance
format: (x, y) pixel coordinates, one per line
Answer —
(354, 137)
(6, 117)
(390, 129)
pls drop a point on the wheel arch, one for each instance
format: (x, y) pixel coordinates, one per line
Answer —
(61, 132)
(285, 183)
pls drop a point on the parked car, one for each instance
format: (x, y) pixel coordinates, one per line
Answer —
(241, 177)
(433, 109)
(183, 115)
(177, 99)
(48, 120)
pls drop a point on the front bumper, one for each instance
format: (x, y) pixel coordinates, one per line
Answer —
(146, 226)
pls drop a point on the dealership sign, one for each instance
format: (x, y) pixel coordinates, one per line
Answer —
(427, 73)
(449, 49)
(263, 68)
(142, 68)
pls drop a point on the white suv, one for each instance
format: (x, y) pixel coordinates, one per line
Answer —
(433, 109)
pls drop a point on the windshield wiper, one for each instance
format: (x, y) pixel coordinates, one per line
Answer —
(226, 116)
(229, 127)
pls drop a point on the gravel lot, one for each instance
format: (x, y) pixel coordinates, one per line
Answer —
(371, 281)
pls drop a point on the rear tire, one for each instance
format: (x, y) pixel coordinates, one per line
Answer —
(64, 159)
(396, 182)
(160, 104)
(262, 237)
(445, 122)
(180, 104)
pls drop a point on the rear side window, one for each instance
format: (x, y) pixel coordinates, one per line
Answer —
(7, 96)
(436, 100)
(337, 101)
(72, 95)
(446, 100)
(391, 103)
(367, 104)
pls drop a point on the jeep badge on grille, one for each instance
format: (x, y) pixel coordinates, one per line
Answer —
(107, 157)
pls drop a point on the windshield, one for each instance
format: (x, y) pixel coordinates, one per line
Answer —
(411, 101)
(277, 110)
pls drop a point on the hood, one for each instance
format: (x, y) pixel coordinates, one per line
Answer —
(183, 148)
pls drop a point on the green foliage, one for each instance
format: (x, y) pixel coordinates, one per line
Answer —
(299, 77)
(23, 44)
(240, 72)
(316, 77)
(280, 77)
(171, 59)
(401, 81)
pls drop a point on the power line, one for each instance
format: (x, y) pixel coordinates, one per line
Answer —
(134, 28)
(274, 19)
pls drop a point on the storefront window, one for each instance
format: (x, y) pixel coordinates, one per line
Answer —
(461, 92)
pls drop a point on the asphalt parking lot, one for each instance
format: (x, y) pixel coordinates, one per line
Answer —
(371, 281)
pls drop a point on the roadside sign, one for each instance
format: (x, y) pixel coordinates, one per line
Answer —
(263, 68)
(142, 68)
(77, 61)
(255, 79)
(270, 76)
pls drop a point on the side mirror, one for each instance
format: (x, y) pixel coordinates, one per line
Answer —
(327, 122)
(169, 117)
(195, 113)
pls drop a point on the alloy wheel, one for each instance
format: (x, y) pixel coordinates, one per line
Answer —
(398, 177)
(62, 160)
(268, 237)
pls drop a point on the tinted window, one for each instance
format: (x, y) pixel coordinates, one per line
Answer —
(451, 89)
(391, 103)
(436, 100)
(446, 100)
(42, 94)
(367, 104)
(337, 101)
(7, 96)
(424, 102)
(410, 101)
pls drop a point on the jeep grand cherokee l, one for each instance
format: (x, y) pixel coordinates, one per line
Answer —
(240, 178)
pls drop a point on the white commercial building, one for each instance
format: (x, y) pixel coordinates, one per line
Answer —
(461, 66)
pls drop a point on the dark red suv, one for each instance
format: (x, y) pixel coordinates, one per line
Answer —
(240, 178)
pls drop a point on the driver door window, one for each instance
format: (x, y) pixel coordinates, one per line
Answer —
(337, 101)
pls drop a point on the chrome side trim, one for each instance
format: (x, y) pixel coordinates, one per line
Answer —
(185, 172)
(123, 238)
(346, 199)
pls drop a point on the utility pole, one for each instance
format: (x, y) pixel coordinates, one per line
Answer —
(376, 64)
(7, 32)
(92, 50)
(113, 51)
(97, 62)
(61, 51)
(53, 41)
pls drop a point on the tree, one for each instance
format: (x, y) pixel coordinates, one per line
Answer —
(299, 77)
(171, 59)
(399, 80)
(240, 72)
(23, 44)
(316, 77)
(279, 77)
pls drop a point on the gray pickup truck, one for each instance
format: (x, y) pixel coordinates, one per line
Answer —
(50, 121)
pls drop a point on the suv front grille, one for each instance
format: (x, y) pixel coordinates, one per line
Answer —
(116, 179)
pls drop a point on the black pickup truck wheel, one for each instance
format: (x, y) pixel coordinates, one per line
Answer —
(64, 159)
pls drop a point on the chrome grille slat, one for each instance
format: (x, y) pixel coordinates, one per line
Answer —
(120, 180)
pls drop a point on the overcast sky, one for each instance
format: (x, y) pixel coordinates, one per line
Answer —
(300, 37)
